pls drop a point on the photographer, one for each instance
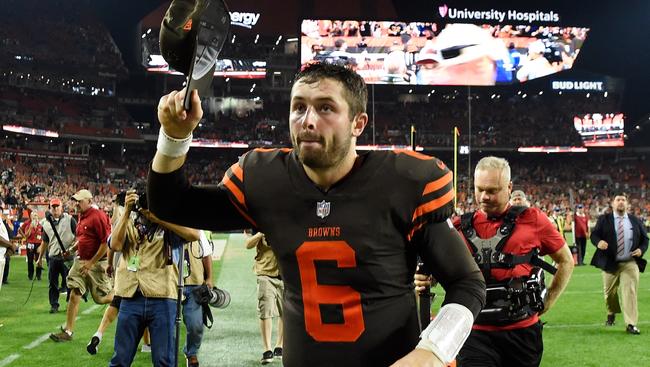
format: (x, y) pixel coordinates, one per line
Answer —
(110, 314)
(199, 256)
(59, 230)
(146, 280)
(269, 294)
(30, 233)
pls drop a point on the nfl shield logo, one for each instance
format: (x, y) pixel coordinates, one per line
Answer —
(322, 209)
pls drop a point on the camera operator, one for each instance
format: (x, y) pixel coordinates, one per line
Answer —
(59, 230)
(199, 256)
(507, 243)
(146, 280)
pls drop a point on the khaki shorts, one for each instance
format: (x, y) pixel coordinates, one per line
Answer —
(269, 296)
(97, 281)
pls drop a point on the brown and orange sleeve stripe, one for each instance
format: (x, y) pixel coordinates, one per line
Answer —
(233, 181)
(436, 195)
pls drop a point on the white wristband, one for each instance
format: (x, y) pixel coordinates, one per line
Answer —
(447, 333)
(173, 147)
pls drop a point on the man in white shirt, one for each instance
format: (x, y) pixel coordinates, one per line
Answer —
(5, 246)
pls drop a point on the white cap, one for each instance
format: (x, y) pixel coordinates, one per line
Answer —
(536, 47)
(82, 194)
(471, 42)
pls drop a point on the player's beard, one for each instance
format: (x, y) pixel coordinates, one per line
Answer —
(327, 155)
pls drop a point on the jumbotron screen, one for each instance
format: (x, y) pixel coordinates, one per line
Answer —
(388, 52)
(601, 130)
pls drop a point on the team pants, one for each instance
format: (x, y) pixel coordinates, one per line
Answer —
(32, 255)
(581, 242)
(56, 268)
(511, 348)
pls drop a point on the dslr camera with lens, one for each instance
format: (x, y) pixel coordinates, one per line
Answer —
(215, 297)
(141, 203)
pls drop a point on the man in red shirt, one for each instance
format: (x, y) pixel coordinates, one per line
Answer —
(88, 273)
(582, 232)
(31, 232)
(517, 340)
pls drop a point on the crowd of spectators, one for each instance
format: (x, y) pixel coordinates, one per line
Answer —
(56, 34)
(498, 119)
(29, 182)
(564, 181)
(551, 181)
(55, 111)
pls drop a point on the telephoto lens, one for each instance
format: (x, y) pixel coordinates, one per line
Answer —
(220, 298)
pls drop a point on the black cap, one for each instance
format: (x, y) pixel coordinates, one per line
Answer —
(192, 35)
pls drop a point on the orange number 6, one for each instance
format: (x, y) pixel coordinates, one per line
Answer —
(314, 294)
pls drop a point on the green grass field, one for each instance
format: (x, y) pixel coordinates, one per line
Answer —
(574, 335)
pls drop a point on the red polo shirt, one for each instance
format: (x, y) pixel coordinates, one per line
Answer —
(33, 234)
(581, 225)
(532, 231)
(92, 230)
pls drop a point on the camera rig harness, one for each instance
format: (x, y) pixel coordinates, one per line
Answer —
(512, 299)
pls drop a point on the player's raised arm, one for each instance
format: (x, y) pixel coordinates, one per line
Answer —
(176, 126)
